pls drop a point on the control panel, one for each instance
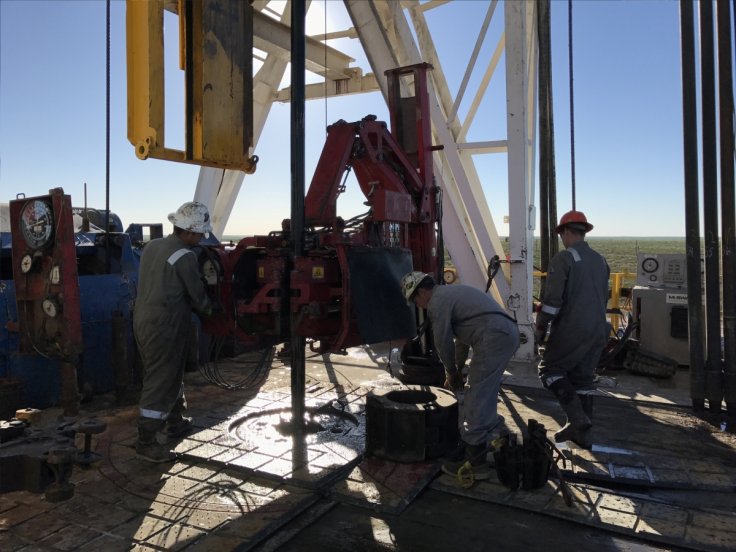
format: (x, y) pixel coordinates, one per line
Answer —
(661, 270)
(45, 275)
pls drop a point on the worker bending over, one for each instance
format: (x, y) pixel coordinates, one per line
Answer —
(169, 288)
(474, 319)
(574, 311)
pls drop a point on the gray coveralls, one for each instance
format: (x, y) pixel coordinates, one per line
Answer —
(476, 320)
(576, 295)
(169, 288)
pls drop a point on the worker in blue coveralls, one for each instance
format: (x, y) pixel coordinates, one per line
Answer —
(466, 315)
(169, 288)
(573, 311)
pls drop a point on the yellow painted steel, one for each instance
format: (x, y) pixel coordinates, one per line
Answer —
(216, 53)
(145, 66)
(617, 283)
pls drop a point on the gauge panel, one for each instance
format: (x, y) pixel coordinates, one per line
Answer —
(37, 223)
(663, 270)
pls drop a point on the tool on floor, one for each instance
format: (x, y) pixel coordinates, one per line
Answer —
(528, 465)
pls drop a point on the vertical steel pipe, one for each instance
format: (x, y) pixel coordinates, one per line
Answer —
(713, 363)
(547, 176)
(728, 202)
(692, 205)
(298, 68)
(543, 25)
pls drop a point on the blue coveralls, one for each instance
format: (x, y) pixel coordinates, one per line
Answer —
(576, 295)
(476, 320)
(169, 288)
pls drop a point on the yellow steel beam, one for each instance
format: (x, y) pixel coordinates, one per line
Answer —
(145, 51)
(216, 52)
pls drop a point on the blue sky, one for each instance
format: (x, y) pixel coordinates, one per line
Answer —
(628, 112)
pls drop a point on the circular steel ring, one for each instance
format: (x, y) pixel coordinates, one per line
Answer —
(411, 423)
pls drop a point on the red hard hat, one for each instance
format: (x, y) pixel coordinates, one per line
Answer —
(576, 218)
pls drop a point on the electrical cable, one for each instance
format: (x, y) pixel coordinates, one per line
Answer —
(212, 372)
(616, 345)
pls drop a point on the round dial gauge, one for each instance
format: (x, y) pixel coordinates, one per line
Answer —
(649, 265)
(36, 223)
(50, 308)
(26, 263)
(211, 271)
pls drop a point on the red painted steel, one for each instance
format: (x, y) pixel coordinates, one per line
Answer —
(47, 293)
(265, 284)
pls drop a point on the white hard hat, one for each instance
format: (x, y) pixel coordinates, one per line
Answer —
(192, 216)
(410, 282)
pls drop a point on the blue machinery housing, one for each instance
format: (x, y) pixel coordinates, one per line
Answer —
(108, 276)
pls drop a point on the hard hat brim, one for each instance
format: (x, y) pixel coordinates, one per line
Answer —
(561, 227)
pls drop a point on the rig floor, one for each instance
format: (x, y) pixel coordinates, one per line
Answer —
(659, 477)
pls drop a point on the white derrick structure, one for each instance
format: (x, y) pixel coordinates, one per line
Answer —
(395, 33)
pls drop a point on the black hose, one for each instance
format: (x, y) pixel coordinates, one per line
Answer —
(212, 372)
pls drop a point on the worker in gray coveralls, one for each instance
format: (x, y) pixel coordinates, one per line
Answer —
(470, 317)
(169, 288)
(573, 310)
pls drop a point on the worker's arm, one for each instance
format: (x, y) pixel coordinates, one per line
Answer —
(554, 291)
(188, 272)
(444, 342)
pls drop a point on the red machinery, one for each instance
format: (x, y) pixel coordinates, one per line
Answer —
(345, 290)
(46, 284)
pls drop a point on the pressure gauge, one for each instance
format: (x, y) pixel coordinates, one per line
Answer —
(36, 223)
(26, 263)
(55, 275)
(50, 308)
(211, 271)
(649, 264)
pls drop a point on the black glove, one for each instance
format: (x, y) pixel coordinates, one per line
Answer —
(540, 330)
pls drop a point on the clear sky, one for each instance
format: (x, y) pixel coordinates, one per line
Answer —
(628, 112)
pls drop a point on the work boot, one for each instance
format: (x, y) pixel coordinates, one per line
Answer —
(587, 400)
(457, 453)
(577, 427)
(147, 447)
(179, 428)
(178, 425)
(154, 452)
(476, 456)
(497, 433)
